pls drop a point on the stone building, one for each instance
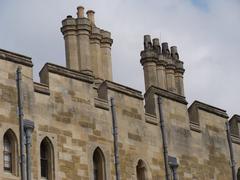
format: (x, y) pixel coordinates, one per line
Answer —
(72, 114)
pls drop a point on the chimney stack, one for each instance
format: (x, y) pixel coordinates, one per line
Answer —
(106, 43)
(71, 48)
(96, 55)
(162, 68)
(161, 64)
(179, 71)
(148, 60)
(88, 48)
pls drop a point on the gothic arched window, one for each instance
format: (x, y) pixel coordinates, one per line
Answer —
(99, 165)
(141, 170)
(47, 159)
(10, 152)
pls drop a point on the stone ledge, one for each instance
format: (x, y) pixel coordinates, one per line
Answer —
(209, 108)
(56, 69)
(41, 88)
(101, 103)
(166, 94)
(150, 104)
(102, 91)
(16, 58)
(151, 119)
(195, 127)
(235, 139)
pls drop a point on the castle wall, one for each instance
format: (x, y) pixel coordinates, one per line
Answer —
(75, 115)
(72, 109)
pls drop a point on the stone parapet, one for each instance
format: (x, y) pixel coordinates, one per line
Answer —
(193, 112)
(103, 94)
(52, 68)
(16, 58)
(150, 104)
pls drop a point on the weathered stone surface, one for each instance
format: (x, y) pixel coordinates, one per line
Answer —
(73, 110)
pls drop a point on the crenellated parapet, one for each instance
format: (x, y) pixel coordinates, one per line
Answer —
(194, 111)
(162, 67)
(88, 48)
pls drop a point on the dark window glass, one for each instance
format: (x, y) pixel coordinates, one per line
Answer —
(46, 159)
(7, 153)
(141, 170)
(98, 165)
(238, 174)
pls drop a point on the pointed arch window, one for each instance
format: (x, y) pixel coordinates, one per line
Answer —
(46, 158)
(141, 170)
(10, 152)
(99, 165)
(7, 154)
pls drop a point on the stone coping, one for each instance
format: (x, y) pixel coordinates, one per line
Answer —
(209, 108)
(16, 58)
(41, 88)
(235, 116)
(63, 71)
(122, 89)
(166, 94)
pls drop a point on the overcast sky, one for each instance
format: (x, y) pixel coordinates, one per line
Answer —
(207, 33)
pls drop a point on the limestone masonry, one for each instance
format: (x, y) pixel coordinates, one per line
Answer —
(71, 110)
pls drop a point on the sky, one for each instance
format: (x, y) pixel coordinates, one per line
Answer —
(206, 32)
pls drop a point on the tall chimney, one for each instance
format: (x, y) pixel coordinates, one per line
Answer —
(88, 48)
(83, 33)
(90, 15)
(161, 75)
(69, 32)
(96, 56)
(148, 60)
(179, 71)
(170, 68)
(80, 12)
(106, 43)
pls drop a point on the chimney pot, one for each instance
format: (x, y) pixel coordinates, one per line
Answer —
(90, 15)
(147, 42)
(156, 45)
(165, 49)
(80, 11)
(156, 42)
(174, 52)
